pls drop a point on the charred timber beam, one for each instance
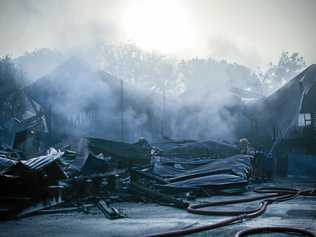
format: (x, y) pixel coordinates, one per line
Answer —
(109, 212)
(146, 175)
(156, 196)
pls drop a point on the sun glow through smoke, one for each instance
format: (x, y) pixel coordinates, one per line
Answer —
(163, 26)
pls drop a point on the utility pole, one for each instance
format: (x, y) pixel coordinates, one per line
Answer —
(163, 112)
(122, 111)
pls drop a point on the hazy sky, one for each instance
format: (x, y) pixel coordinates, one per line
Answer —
(251, 32)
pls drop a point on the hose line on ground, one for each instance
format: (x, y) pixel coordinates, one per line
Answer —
(275, 229)
(272, 194)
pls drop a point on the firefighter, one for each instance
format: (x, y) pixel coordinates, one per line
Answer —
(244, 146)
(257, 158)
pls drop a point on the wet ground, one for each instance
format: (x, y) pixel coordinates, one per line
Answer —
(147, 218)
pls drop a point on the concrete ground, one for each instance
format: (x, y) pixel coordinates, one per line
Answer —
(148, 218)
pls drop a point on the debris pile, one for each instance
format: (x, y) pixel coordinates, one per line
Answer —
(100, 171)
(46, 171)
(30, 183)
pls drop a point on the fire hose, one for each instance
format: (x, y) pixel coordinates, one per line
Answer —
(275, 229)
(271, 195)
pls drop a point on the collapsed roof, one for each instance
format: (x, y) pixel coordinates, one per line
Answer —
(88, 102)
(278, 114)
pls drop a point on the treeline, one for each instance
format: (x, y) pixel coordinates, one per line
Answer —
(158, 72)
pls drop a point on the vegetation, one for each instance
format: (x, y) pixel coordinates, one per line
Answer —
(11, 81)
(285, 69)
(159, 73)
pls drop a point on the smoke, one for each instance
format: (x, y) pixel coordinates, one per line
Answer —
(30, 24)
(220, 27)
(189, 99)
(234, 51)
(202, 111)
(87, 101)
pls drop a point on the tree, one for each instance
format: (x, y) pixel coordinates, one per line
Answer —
(39, 62)
(278, 74)
(11, 82)
(146, 69)
(11, 76)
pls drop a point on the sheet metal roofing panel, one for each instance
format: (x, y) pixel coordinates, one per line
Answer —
(39, 163)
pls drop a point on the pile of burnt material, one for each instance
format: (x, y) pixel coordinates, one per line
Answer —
(101, 171)
(32, 182)
(93, 174)
(188, 169)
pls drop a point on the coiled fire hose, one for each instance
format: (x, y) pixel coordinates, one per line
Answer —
(272, 194)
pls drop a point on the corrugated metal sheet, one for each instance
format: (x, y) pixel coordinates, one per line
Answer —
(12, 167)
(41, 162)
(5, 164)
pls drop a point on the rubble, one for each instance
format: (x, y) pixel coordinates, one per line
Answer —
(38, 177)
(120, 150)
(109, 212)
(194, 149)
(30, 185)
(48, 166)
(156, 196)
(92, 164)
(101, 168)
(26, 128)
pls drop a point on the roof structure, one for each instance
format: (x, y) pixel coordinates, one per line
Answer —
(278, 114)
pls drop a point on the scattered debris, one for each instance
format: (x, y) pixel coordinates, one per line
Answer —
(95, 172)
(109, 212)
(102, 168)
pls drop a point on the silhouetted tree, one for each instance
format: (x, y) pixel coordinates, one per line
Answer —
(147, 69)
(39, 62)
(11, 82)
(286, 68)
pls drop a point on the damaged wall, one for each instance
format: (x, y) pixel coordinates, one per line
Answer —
(89, 102)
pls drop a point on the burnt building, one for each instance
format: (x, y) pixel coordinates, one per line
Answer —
(284, 124)
(83, 101)
(23, 123)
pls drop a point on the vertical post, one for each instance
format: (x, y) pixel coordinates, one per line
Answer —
(122, 111)
(163, 112)
(49, 120)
